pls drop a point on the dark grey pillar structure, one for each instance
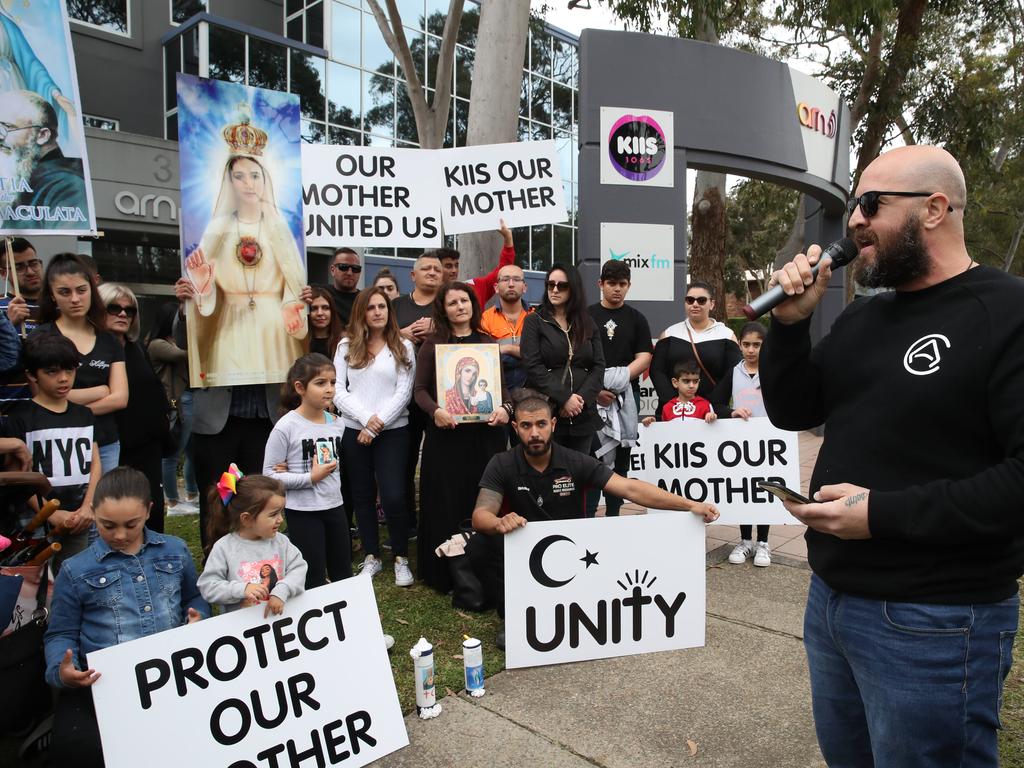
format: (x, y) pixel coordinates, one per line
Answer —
(718, 109)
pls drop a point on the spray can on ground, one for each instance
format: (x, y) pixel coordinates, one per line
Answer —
(473, 663)
(423, 668)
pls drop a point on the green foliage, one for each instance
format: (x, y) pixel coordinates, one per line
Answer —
(760, 216)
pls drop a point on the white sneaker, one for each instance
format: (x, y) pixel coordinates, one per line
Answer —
(371, 567)
(403, 575)
(741, 552)
(181, 509)
(762, 555)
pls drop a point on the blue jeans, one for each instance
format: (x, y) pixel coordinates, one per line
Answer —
(110, 455)
(907, 684)
(170, 463)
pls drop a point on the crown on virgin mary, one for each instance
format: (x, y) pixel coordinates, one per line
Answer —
(243, 138)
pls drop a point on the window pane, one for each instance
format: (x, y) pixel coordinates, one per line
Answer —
(267, 65)
(405, 119)
(563, 143)
(438, 6)
(345, 33)
(540, 50)
(315, 25)
(313, 133)
(564, 62)
(417, 46)
(378, 104)
(308, 83)
(523, 133)
(103, 123)
(190, 40)
(376, 54)
(464, 58)
(540, 98)
(540, 247)
(524, 96)
(539, 132)
(293, 6)
(183, 10)
(468, 27)
(521, 242)
(563, 244)
(562, 104)
(411, 12)
(378, 141)
(111, 15)
(171, 128)
(340, 136)
(294, 29)
(342, 95)
(461, 121)
(227, 55)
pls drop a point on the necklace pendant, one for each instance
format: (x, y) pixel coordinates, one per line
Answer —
(252, 303)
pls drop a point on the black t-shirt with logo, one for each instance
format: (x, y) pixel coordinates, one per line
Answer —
(60, 444)
(94, 371)
(624, 333)
(557, 493)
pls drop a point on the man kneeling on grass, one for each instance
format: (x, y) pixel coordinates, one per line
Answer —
(546, 481)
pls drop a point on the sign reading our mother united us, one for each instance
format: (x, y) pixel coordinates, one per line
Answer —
(603, 587)
(721, 463)
(312, 686)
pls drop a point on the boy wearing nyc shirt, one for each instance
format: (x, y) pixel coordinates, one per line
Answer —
(687, 404)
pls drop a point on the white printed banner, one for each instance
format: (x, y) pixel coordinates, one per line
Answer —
(603, 587)
(371, 196)
(313, 684)
(519, 182)
(721, 463)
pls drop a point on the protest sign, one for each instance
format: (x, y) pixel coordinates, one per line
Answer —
(519, 182)
(45, 187)
(604, 587)
(721, 463)
(371, 196)
(313, 685)
(241, 231)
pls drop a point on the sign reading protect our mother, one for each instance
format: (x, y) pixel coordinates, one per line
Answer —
(603, 587)
(312, 686)
(520, 183)
(721, 463)
(371, 196)
(241, 231)
(45, 186)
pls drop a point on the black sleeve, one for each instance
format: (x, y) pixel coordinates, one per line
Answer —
(641, 334)
(537, 374)
(493, 478)
(791, 377)
(722, 392)
(594, 382)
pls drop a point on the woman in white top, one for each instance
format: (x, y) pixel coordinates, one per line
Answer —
(375, 368)
(699, 337)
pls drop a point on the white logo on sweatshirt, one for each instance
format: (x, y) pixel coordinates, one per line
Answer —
(925, 354)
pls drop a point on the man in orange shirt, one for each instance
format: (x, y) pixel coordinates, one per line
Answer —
(505, 323)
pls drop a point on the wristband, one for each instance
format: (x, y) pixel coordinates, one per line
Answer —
(508, 410)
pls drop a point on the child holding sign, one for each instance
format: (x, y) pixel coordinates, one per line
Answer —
(302, 452)
(250, 561)
(687, 403)
(744, 383)
(131, 582)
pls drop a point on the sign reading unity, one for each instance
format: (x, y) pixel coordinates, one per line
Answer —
(518, 182)
(45, 187)
(241, 231)
(311, 685)
(371, 196)
(593, 589)
(722, 463)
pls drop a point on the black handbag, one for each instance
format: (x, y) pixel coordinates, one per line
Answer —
(467, 591)
(22, 668)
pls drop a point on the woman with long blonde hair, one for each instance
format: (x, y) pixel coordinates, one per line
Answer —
(375, 368)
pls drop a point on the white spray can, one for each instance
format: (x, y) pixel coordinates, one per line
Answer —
(473, 663)
(423, 668)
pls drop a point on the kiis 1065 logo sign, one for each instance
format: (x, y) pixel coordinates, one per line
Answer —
(636, 147)
(649, 252)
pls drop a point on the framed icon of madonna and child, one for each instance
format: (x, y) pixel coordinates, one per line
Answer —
(468, 380)
(241, 231)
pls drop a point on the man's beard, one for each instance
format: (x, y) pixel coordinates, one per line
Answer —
(896, 263)
(537, 449)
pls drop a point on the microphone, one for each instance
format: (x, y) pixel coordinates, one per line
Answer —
(842, 253)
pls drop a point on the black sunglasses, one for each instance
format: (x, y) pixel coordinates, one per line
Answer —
(347, 268)
(116, 309)
(557, 285)
(869, 201)
(702, 300)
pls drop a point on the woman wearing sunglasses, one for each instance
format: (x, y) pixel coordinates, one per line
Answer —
(564, 359)
(699, 337)
(71, 306)
(142, 424)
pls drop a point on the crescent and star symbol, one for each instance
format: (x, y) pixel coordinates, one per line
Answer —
(537, 561)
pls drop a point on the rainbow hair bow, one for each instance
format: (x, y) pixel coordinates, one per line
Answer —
(227, 483)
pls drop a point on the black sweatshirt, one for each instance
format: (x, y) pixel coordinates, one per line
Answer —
(922, 397)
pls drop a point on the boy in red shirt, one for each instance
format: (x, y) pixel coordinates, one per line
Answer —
(686, 379)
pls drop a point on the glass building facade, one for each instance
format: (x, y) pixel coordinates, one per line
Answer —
(352, 91)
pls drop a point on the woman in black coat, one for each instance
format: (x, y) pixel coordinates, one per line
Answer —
(563, 357)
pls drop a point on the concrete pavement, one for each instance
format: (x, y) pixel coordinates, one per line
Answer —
(741, 700)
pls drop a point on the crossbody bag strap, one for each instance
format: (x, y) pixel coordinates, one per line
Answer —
(696, 354)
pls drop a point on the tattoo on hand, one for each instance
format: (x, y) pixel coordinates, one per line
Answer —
(857, 498)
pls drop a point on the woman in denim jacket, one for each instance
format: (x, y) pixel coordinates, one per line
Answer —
(131, 582)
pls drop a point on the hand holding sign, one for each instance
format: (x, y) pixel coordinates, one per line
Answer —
(72, 677)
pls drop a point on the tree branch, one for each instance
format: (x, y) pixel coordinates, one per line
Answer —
(445, 64)
(872, 71)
